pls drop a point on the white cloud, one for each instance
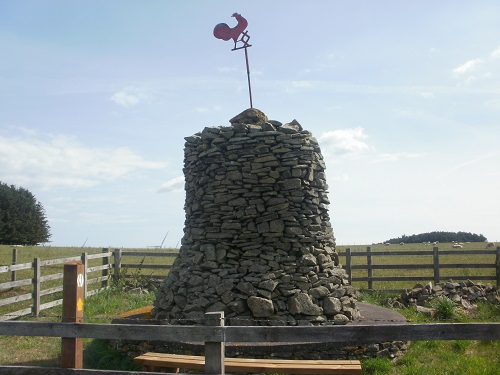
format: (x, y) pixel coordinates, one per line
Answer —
(474, 161)
(496, 53)
(323, 63)
(207, 109)
(125, 99)
(56, 160)
(493, 104)
(468, 67)
(344, 141)
(481, 69)
(427, 95)
(175, 184)
(229, 69)
(381, 158)
(103, 218)
(302, 84)
(344, 177)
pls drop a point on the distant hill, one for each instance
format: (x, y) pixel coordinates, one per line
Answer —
(440, 237)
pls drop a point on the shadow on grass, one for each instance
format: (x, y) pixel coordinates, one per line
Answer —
(97, 354)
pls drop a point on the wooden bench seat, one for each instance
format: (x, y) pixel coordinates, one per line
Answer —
(173, 362)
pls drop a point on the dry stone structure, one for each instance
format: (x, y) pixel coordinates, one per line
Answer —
(464, 294)
(258, 242)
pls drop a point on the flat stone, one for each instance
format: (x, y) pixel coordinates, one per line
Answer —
(249, 116)
(260, 307)
(319, 292)
(291, 183)
(303, 304)
(224, 286)
(247, 288)
(332, 306)
(340, 319)
(269, 285)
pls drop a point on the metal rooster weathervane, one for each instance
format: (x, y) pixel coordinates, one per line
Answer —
(238, 35)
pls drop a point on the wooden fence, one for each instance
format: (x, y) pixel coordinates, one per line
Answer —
(116, 263)
(435, 266)
(215, 336)
(99, 269)
(119, 256)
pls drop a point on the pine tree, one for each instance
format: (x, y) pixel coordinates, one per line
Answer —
(22, 217)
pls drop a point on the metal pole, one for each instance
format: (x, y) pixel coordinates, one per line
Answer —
(248, 76)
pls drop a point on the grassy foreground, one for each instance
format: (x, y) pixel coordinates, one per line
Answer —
(424, 357)
(454, 357)
(45, 351)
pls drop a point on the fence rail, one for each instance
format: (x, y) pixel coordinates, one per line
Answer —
(97, 276)
(112, 265)
(216, 336)
(435, 265)
(241, 334)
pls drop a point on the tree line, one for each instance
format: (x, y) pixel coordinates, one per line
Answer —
(439, 237)
(22, 217)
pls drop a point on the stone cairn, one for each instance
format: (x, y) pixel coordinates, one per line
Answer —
(258, 242)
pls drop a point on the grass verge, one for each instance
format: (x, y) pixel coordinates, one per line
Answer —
(454, 357)
(45, 351)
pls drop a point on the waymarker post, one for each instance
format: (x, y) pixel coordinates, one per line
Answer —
(72, 311)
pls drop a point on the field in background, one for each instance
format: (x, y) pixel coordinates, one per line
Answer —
(394, 265)
(28, 253)
(426, 275)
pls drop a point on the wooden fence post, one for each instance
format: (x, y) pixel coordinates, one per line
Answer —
(117, 263)
(214, 351)
(105, 272)
(369, 267)
(14, 261)
(36, 286)
(435, 257)
(72, 311)
(348, 263)
(497, 266)
(85, 262)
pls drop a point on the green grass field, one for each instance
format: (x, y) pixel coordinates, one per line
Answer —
(424, 357)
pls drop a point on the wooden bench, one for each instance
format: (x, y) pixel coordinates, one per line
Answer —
(173, 362)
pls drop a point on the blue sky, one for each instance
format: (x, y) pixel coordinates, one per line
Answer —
(96, 98)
